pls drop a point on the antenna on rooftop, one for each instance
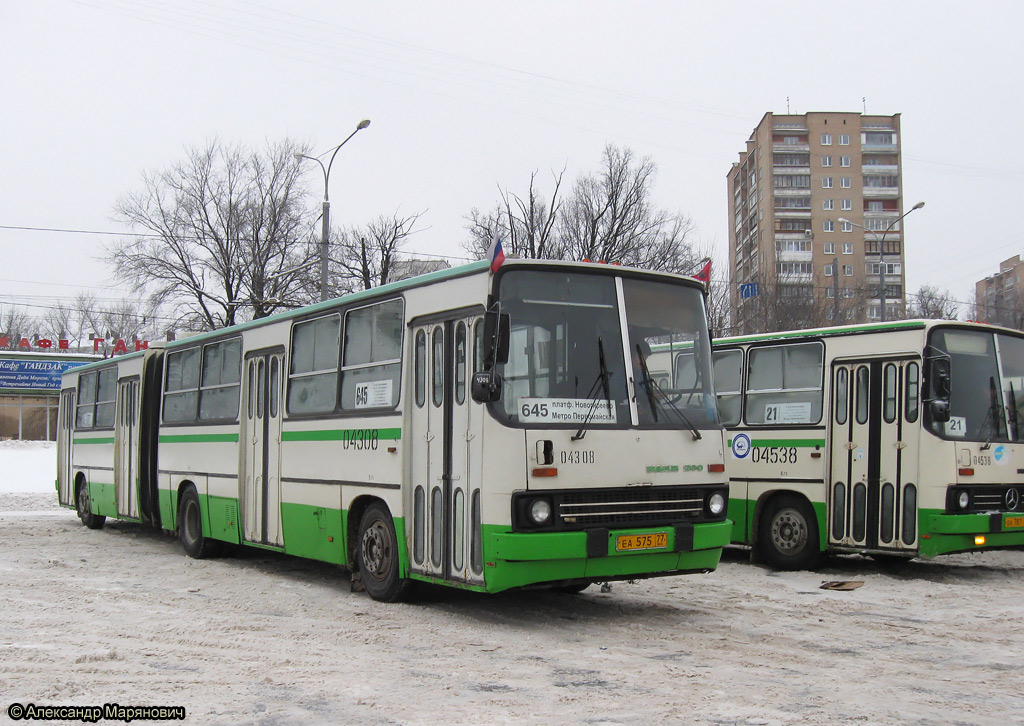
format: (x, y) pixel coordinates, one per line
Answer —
(864, 101)
(787, 104)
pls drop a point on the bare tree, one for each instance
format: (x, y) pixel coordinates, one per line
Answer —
(609, 216)
(930, 303)
(15, 324)
(223, 234)
(366, 257)
(526, 225)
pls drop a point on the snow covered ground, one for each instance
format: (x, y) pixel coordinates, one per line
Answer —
(28, 466)
(120, 615)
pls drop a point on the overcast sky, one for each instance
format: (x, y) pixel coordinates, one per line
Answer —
(466, 96)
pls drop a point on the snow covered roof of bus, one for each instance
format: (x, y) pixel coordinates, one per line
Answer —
(471, 268)
(838, 330)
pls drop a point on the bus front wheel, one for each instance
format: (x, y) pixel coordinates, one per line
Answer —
(377, 555)
(90, 520)
(190, 527)
(788, 534)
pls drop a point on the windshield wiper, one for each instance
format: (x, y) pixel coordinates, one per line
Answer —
(995, 412)
(1014, 414)
(651, 387)
(602, 377)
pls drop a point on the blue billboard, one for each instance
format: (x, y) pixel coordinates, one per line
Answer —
(20, 374)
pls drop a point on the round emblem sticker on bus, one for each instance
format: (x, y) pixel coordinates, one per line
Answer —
(740, 446)
(999, 455)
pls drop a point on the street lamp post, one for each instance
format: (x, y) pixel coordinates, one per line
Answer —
(325, 230)
(881, 252)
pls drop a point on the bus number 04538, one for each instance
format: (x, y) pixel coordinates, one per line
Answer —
(773, 454)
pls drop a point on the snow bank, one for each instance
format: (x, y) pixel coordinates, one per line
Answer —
(28, 466)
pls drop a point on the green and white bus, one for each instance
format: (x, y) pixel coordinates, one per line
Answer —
(899, 440)
(465, 427)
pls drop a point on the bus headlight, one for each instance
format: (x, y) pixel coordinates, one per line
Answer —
(963, 500)
(540, 511)
(716, 504)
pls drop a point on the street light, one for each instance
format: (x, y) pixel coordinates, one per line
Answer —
(881, 252)
(325, 230)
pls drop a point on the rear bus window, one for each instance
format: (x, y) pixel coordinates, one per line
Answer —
(728, 369)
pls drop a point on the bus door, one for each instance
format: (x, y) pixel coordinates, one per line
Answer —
(65, 420)
(874, 448)
(126, 447)
(446, 426)
(260, 438)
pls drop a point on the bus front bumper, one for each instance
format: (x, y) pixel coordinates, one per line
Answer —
(946, 533)
(515, 559)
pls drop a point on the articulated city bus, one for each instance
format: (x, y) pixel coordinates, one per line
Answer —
(899, 440)
(477, 429)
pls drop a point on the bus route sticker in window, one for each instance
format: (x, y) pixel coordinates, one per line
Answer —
(373, 394)
(566, 410)
(787, 413)
(956, 426)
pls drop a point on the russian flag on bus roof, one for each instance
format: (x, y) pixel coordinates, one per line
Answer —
(495, 253)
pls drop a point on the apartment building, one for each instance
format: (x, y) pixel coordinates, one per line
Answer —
(815, 234)
(999, 298)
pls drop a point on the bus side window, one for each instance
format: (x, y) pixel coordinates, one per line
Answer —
(313, 376)
(371, 367)
(912, 390)
(842, 395)
(220, 386)
(862, 394)
(784, 384)
(86, 412)
(181, 392)
(889, 401)
(421, 369)
(727, 372)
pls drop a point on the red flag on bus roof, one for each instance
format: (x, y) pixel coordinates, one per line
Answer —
(705, 273)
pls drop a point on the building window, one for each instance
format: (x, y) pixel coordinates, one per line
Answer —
(846, 204)
(844, 139)
(792, 181)
(830, 248)
(847, 248)
(844, 161)
(828, 205)
(876, 206)
(847, 227)
(792, 140)
(891, 268)
(828, 270)
(826, 161)
(844, 182)
(829, 226)
(826, 182)
(794, 268)
(886, 138)
(830, 292)
(847, 270)
(793, 245)
(826, 139)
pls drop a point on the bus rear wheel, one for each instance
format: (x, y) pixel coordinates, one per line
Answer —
(788, 534)
(377, 556)
(90, 520)
(190, 527)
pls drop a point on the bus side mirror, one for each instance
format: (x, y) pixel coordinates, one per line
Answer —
(497, 331)
(940, 387)
(939, 410)
(485, 387)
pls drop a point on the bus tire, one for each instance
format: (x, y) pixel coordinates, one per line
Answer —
(190, 527)
(377, 555)
(90, 520)
(788, 533)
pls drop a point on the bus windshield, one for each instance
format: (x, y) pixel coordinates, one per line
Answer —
(567, 363)
(986, 385)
